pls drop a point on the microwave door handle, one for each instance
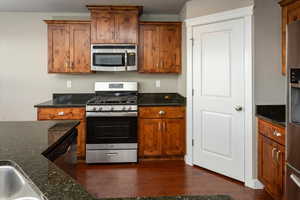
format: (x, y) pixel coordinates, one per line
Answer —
(126, 53)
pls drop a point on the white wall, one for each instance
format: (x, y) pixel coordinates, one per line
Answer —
(24, 80)
(269, 82)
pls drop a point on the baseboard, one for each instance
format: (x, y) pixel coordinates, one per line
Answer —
(254, 184)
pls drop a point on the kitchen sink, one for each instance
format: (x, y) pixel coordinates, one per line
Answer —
(15, 184)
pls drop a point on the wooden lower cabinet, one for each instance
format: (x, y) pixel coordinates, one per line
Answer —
(68, 114)
(161, 137)
(271, 165)
(150, 140)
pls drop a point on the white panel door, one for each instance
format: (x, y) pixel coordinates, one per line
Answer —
(218, 81)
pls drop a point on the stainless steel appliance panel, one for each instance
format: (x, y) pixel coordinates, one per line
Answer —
(293, 45)
(111, 156)
(292, 184)
(293, 145)
(111, 146)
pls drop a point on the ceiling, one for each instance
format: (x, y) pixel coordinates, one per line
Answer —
(150, 6)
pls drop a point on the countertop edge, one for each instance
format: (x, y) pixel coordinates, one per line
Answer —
(281, 124)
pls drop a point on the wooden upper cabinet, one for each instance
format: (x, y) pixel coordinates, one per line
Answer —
(290, 13)
(160, 47)
(170, 48)
(149, 48)
(68, 46)
(80, 44)
(102, 29)
(114, 24)
(126, 27)
(58, 48)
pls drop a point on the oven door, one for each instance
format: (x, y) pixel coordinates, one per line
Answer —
(109, 61)
(111, 128)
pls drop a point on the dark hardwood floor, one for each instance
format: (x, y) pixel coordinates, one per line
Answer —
(159, 178)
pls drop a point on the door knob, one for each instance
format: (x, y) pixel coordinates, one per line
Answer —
(238, 108)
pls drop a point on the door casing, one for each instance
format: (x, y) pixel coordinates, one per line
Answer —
(246, 14)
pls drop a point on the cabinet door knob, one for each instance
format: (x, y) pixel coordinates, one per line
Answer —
(61, 113)
(161, 112)
(276, 133)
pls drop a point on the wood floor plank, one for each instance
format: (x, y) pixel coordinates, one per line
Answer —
(159, 178)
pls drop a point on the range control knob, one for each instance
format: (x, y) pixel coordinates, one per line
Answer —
(94, 108)
(112, 108)
(129, 108)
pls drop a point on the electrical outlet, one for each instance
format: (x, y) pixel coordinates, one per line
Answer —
(69, 84)
(157, 83)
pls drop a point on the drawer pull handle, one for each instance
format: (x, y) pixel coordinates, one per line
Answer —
(161, 112)
(278, 155)
(61, 113)
(111, 154)
(276, 133)
(273, 152)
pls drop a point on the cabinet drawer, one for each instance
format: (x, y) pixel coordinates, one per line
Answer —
(60, 113)
(162, 112)
(272, 131)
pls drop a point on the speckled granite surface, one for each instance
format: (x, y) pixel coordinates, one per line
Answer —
(23, 143)
(145, 99)
(161, 99)
(272, 113)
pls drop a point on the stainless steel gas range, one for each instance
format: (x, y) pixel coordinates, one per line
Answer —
(112, 123)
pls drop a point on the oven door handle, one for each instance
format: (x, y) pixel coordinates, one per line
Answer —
(111, 114)
(295, 179)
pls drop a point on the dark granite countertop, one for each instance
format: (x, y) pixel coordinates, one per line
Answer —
(66, 100)
(161, 99)
(272, 113)
(145, 99)
(24, 143)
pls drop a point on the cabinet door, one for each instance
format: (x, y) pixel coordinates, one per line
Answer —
(173, 137)
(280, 158)
(58, 48)
(80, 48)
(103, 27)
(149, 50)
(126, 27)
(150, 141)
(170, 48)
(267, 170)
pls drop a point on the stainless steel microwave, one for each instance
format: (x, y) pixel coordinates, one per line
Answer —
(114, 57)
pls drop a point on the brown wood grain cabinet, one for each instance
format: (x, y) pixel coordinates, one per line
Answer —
(160, 47)
(68, 46)
(271, 159)
(161, 132)
(114, 24)
(68, 114)
(290, 13)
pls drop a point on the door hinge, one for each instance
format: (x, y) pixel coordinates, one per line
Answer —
(192, 41)
(192, 142)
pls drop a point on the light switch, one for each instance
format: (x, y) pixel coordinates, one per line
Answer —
(157, 83)
(69, 84)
